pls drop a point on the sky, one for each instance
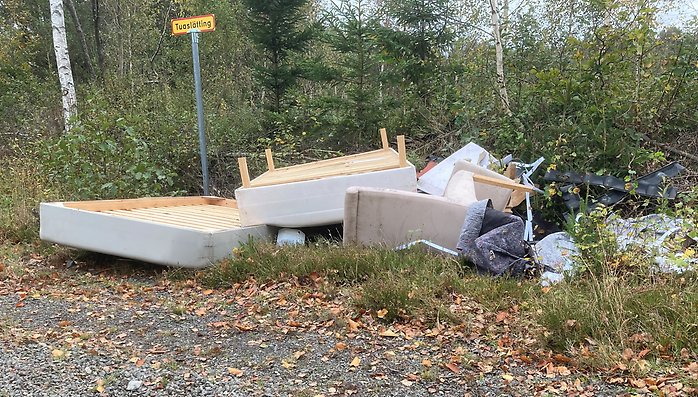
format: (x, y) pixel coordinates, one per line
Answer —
(681, 12)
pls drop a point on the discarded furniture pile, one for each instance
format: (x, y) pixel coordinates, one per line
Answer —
(457, 206)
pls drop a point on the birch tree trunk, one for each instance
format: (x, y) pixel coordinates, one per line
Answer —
(499, 52)
(65, 73)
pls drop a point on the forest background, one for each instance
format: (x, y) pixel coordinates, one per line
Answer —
(605, 86)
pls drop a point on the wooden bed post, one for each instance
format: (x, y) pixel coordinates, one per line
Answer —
(384, 139)
(244, 172)
(270, 159)
(401, 151)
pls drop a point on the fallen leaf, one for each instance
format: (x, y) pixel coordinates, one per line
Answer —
(426, 363)
(388, 333)
(298, 354)
(200, 311)
(382, 313)
(340, 346)
(58, 353)
(355, 362)
(627, 354)
(643, 353)
(208, 292)
(406, 382)
(562, 370)
(353, 325)
(508, 377)
(501, 316)
(100, 386)
(63, 323)
(243, 327)
(453, 367)
(235, 371)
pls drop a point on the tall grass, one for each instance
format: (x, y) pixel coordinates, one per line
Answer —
(21, 191)
(617, 302)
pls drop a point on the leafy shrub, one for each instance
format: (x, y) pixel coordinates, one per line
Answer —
(105, 158)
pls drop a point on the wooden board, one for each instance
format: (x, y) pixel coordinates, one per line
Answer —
(377, 160)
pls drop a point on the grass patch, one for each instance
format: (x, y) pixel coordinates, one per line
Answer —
(407, 283)
(19, 203)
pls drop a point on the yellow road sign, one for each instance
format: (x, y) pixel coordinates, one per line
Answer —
(201, 23)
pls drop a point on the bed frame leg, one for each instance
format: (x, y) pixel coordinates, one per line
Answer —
(244, 172)
(384, 139)
(401, 151)
(270, 159)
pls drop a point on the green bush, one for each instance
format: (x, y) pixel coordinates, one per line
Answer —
(104, 157)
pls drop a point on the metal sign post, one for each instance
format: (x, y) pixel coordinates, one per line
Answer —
(194, 26)
(199, 107)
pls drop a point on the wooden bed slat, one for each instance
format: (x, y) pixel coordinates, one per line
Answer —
(378, 160)
(148, 202)
(193, 218)
(126, 214)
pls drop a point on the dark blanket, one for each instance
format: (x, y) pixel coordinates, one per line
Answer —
(493, 241)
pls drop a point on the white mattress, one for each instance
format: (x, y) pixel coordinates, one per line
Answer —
(314, 202)
(149, 241)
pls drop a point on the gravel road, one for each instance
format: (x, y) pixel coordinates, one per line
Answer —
(88, 332)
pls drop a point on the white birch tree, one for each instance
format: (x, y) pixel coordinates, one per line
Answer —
(65, 73)
(499, 53)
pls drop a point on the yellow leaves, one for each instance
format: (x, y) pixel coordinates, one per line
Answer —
(355, 362)
(427, 363)
(298, 354)
(58, 354)
(508, 377)
(689, 253)
(100, 386)
(235, 372)
(382, 313)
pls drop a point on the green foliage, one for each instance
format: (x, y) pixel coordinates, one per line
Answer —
(105, 158)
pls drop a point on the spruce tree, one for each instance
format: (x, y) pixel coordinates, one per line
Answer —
(352, 31)
(281, 28)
